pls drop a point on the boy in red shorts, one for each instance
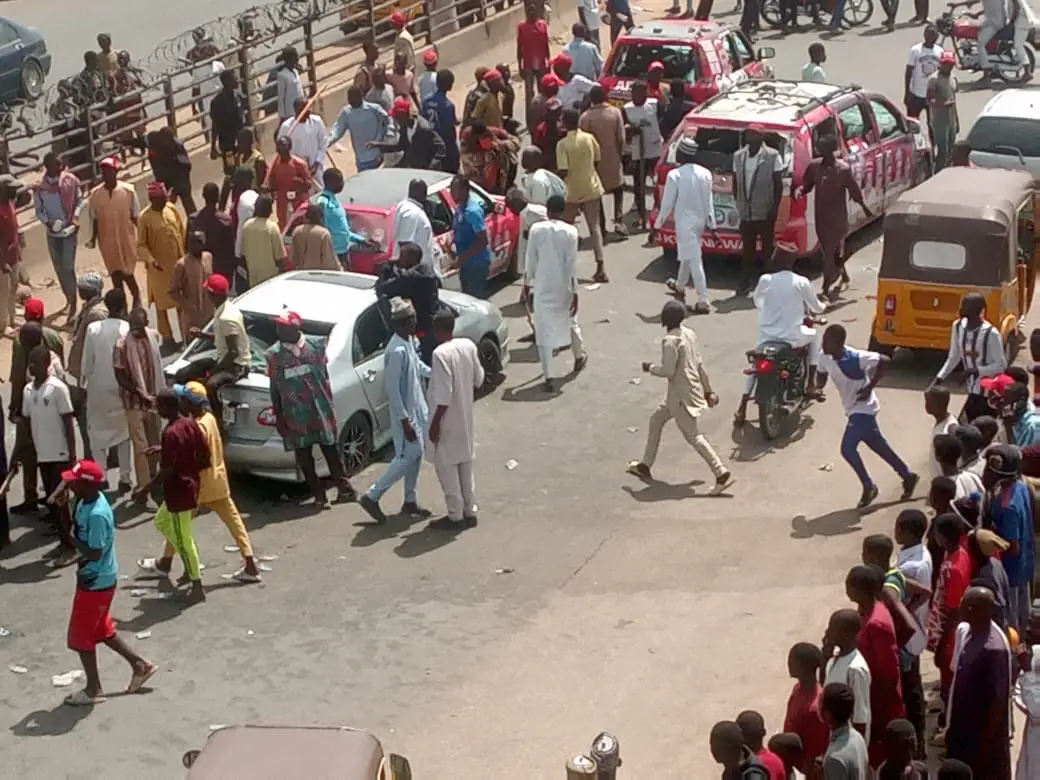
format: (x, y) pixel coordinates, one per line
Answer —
(90, 623)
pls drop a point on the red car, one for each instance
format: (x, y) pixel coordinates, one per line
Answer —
(708, 56)
(370, 199)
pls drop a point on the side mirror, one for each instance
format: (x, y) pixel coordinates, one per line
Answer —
(766, 53)
(913, 126)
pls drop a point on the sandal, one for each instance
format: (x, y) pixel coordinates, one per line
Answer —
(84, 699)
(138, 679)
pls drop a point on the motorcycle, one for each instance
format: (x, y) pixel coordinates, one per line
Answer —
(963, 32)
(817, 13)
(781, 379)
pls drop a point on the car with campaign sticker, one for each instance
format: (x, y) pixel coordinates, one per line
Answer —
(370, 199)
(707, 55)
(889, 153)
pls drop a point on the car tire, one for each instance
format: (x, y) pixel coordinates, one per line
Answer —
(355, 443)
(30, 80)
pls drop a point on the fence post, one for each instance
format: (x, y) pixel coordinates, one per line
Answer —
(171, 103)
(312, 67)
(245, 78)
(371, 17)
(91, 152)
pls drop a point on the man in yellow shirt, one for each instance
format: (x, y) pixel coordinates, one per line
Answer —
(262, 246)
(577, 155)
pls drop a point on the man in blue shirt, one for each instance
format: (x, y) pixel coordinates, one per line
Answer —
(91, 622)
(620, 17)
(367, 124)
(1021, 421)
(1010, 513)
(585, 57)
(472, 251)
(336, 217)
(440, 112)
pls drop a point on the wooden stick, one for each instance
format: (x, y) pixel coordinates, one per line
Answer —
(58, 493)
(12, 472)
(305, 109)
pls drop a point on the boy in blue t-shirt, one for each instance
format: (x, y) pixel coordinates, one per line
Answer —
(91, 623)
(1010, 514)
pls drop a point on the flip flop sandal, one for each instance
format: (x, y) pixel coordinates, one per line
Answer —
(148, 567)
(138, 679)
(83, 699)
(243, 576)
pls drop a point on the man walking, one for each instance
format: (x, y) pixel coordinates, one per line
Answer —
(137, 365)
(689, 394)
(367, 124)
(551, 285)
(607, 126)
(403, 377)
(455, 375)
(855, 374)
(758, 187)
(59, 202)
(106, 418)
(584, 53)
(309, 137)
(976, 344)
(114, 210)
(262, 247)
(532, 51)
(687, 194)
(922, 63)
(942, 109)
(301, 397)
(577, 156)
(89, 287)
(160, 242)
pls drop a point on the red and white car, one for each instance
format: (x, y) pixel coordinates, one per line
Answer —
(370, 199)
(708, 56)
(888, 152)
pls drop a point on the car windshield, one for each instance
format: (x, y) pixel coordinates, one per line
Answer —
(717, 145)
(262, 333)
(632, 60)
(372, 225)
(1005, 135)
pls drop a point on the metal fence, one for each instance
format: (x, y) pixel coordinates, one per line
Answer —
(86, 117)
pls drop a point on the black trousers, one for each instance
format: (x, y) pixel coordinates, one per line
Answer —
(891, 8)
(913, 699)
(750, 231)
(975, 405)
(57, 513)
(749, 21)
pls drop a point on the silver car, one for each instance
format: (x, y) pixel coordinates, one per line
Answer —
(342, 308)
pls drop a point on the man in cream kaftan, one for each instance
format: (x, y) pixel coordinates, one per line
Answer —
(106, 419)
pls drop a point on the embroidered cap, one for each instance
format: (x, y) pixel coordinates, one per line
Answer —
(85, 471)
(1004, 460)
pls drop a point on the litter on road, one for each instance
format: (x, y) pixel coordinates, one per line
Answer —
(67, 679)
(143, 634)
(17, 669)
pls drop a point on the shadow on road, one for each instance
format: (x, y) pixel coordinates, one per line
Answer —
(424, 541)
(838, 522)
(750, 445)
(50, 723)
(370, 533)
(654, 490)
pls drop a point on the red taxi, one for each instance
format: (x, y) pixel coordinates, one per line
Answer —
(708, 56)
(370, 199)
(888, 152)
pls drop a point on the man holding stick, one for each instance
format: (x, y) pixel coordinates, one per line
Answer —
(309, 137)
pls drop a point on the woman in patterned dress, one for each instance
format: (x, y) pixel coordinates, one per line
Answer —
(301, 396)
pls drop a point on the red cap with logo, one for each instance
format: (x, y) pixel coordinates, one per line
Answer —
(996, 384)
(655, 65)
(398, 20)
(429, 57)
(217, 284)
(947, 58)
(290, 319)
(85, 471)
(402, 107)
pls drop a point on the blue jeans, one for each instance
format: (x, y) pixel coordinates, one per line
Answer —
(370, 165)
(839, 9)
(863, 429)
(63, 256)
(473, 279)
(407, 461)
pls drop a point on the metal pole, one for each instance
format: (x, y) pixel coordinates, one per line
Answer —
(606, 752)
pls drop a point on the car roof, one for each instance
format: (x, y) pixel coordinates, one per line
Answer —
(1012, 103)
(318, 296)
(674, 29)
(963, 194)
(771, 102)
(384, 188)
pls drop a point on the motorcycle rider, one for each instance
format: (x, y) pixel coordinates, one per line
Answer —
(996, 16)
(782, 298)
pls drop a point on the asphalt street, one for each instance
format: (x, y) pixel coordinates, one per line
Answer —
(584, 600)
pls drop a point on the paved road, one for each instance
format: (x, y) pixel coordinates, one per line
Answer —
(648, 610)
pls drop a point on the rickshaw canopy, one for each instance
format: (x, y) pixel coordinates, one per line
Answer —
(974, 208)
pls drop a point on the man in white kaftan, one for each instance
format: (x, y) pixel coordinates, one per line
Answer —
(538, 184)
(1027, 699)
(412, 226)
(454, 376)
(551, 284)
(309, 139)
(106, 418)
(688, 194)
(784, 299)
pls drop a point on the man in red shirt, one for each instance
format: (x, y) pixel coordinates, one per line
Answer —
(753, 727)
(10, 252)
(803, 705)
(184, 455)
(877, 642)
(532, 51)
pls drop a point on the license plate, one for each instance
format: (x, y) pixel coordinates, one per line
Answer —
(230, 415)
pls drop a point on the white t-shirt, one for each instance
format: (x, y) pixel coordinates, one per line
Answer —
(852, 670)
(751, 163)
(645, 118)
(782, 300)
(572, 94)
(813, 72)
(946, 426)
(44, 407)
(847, 387)
(967, 482)
(925, 61)
(916, 564)
(591, 8)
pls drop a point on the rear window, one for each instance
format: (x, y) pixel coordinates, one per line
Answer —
(632, 61)
(1005, 135)
(262, 333)
(938, 255)
(717, 145)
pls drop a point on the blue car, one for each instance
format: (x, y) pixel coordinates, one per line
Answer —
(24, 62)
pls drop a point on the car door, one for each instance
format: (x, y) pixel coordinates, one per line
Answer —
(895, 151)
(10, 62)
(745, 66)
(442, 216)
(502, 226)
(368, 346)
(858, 137)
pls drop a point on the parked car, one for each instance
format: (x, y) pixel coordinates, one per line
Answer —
(888, 152)
(1006, 132)
(343, 309)
(371, 197)
(708, 56)
(24, 62)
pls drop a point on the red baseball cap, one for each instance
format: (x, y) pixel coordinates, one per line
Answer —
(655, 65)
(562, 60)
(996, 384)
(430, 57)
(551, 81)
(110, 162)
(398, 20)
(947, 58)
(402, 107)
(290, 318)
(33, 309)
(217, 284)
(85, 471)
(492, 75)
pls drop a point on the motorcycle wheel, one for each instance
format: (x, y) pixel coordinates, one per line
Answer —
(857, 12)
(769, 417)
(770, 13)
(1010, 72)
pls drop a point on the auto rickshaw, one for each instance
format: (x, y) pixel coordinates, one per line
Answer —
(964, 230)
(278, 752)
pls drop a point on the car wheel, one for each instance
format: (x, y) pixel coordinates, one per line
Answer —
(355, 443)
(490, 356)
(31, 80)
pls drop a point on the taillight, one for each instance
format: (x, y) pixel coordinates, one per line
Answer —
(890, 304)
(266, 417)
(764, 366)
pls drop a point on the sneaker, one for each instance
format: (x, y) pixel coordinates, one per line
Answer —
(26, 508)
(638, 469)
(909, 486)
(868, 497)
(412, 509)
(722, 484)
(447, 524)
(371, 506)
